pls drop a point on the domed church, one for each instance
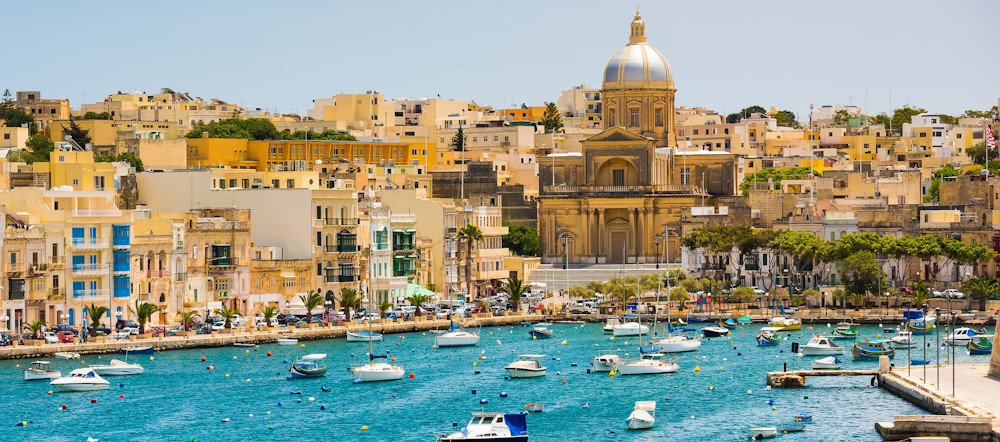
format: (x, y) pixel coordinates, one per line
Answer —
(629, 184)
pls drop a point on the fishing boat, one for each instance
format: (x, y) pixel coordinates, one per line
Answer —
(904, 339)
(961, 336)
(983, 347)
(40, 370)
(827, 363)
(539, 332)
(792, 428)
(802, 417)
(691, 319)
(67, 355)
(605, 362)
(783, 324)
(455, 337)
(117, 368)
(820, 345)
(138, 350)
(759, 433)
(491, 427)
(679, 322)
(534, 408)
(642, 416)
(766, 339)
(288, 341)
(845, 331)
(729, 323)
(649, 363)
(714, 331)
(920, 361)
(526, 366)
(81, 379)
(871, 350)
(920, 327)
(244, 345)
(308, 366)
(744, 320)
(917, 317)
(363, 336)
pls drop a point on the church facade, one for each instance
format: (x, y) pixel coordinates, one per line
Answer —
(629, 184)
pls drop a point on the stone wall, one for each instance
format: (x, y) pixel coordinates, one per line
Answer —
(995, 356)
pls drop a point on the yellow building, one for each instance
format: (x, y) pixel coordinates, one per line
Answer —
(13, 137)
(77, 169)
(296, 155)
(176, 107)
(45, 111)
(525, 113)
(116, 132)
(219, 152)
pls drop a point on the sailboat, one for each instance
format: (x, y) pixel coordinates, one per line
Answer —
(376, 371)
(628, 328)
(671, 343)
(455, 337)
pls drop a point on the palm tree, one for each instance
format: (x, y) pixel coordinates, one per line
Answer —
(981, 287)
(515, 290)
(383, 307)
(228, 314)
(417, 300)
(841, 296)
(349, 300)
(96, 312)
(187, 318)
(858, 299)
(269, 312)
(921, 293)
(143, 311)
(311, 301)
(35, 327)
(470, 234)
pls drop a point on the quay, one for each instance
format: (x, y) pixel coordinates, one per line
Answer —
(797, 378)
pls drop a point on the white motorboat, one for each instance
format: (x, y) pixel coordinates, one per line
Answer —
(629, 329)
(714, 331)
(649, 363)
(526, 366)
(40, 370)
(961, 336)
(642, 416)
(288, 341)
(377, 372)
(457, 338)
(81, 379)
(763, 432)
(67, 355)
(609, 326)
(491, 427)
(117, 368)
(904, 339)
(820, 345)
(827, 363)
(605, 362)
(363, 336)
(675, 344)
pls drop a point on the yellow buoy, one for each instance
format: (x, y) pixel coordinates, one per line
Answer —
(227, 375)
(697, 369)
(564, 342)
(248, 351)
(611, 373)
(364, 428)
(474, 363)
(534, 337)
(150, 358)
(300, 345)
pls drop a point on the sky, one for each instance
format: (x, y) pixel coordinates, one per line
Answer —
(725, 55)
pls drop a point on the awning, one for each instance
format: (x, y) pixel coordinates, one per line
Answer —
(411, 230)
(417, 289)
(399, 257)
(220, 244)
(397, 230)
(411, 256)
(287, 275)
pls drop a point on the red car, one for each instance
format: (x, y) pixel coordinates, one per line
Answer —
(66, 336)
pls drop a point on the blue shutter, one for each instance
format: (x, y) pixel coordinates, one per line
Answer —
(78, 262)
(78, 288)
(78, 235)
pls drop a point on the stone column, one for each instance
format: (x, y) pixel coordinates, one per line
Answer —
(631, 234)
(599, 251)
(641, 238)
(995, 355)
(586, 233)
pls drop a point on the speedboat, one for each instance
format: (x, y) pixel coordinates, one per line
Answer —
(526, 366)
(117, 368)
(539, 332)
(491, 427)
(40, 370)
(983, 347)
(642, 416)
(649, 363)
(67, 355)
(827, 363)
(745, 320)
(767, 339)
(714, 331)
(782, 324)
(961, 336)
(605, 362)
(363, 336)
(904, 339)
(872, 350)
(288, 341)
(377, 371)
(138, 350)
(630, 329)
(81, 379)
(456, 338)
(675, 344)
(534, 407)
(609, 325)
(821, 345)
(763, 432)
(309, 366)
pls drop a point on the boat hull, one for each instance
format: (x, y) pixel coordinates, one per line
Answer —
(630, 329)
(540, 334)
(670, 345)
(712, 332)
(117, 371)
(639, 420)
(358, 337)
(792, 428)
(636, 369)
(299, 374)
(138, 351)
(377, 373)
(827, 364)
(288, 341)
(461, 438)
(525, 372)
(822, 351)
(38, 375)
(861, 354)
(763, 433)
(81, 387)
(604, 365)
(462, 341)
(67, 355)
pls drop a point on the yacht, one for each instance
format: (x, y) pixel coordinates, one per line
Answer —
(821, 346)
(40, 370)
(67, 355)
(609, 326)
(541, 332)
(81, 379)
(649, 363)
(456, 338)
(117, 368)
(526, 366)
(629, 329)
(714, 331)
(605, 362)
(491, 427)
(363, 336)
(961, 336)
(309, 366)
(904, 339)
(675, 344)
(642, 416)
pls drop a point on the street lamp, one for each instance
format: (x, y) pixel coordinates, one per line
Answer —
(656, 240)
(564, 239)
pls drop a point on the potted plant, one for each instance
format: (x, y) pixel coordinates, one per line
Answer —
(269, 312)
(186, 319)
(35, 327)
(227, 314)
(96, 312)
(349, 300)
(383, 307)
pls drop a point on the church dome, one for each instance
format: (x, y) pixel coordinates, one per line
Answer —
(638, 64)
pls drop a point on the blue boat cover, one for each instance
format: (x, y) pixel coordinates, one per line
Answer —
(453, 326)
(912, 314)
(730, 321)
(517, 423)
(629, 316)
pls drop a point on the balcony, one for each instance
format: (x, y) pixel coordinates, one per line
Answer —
(403, 247)
(96, 213)
(15, 267)
(222, 263)
(90, 269)
(158, 274)
(56, 294)
(751, 266)
(340, 278)
(347, 248)
(89, 243)
(343, 221)
(57, 262)
(91, 294)
(623, 190)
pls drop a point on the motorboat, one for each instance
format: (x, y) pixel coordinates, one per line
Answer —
(917, 317)
(630, 329)
(526, 366)
(605, 362)
(827, 363)
(117, 368)
(67, 355)
(244, 345)
(783, 324)
(675, 344)
(456, 338)
(729, 323)
(40, 370)
(534, 407)
(961, 336)
(904, 339)
(363, 336)
(81, 379)
(649, 363)
(744, 320)
(138, 350)
(288, 341)
(792, 428)
(609, 325)
(872, 350)
(714, 331)
(983, 347)
(491, 427)
(802, 417)
(820, 345)
(377, 371)
(920, 327)
(845, 332)
(308, 366)
(539, 332)
(642, 416)
(767, 339)
(763, 432)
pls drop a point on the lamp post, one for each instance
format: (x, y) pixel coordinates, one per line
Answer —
(951, 326)
(937, 344)
(564, 239)
(656, 240)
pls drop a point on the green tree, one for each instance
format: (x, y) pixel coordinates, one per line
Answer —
(776, 175)
(839, 295)
(80, 135)
(743, 294)
(921, 293)
(469, 234)
(977, 153)
(551, 118)
(417, 300)
(14, 117)
(383, 307)
(881, 120)
(124, 157)
(227, 313)
(841, 117)
(515, 290)
(39, 148)
(522, 240)
(328, 134)
(858, 300)
(903, 115)
(96, 312)
(862, 274)
(679, 295)
(458, 141)
(745, 113)
(348, 301)
(948, 119)
(311, 300)
(96, 116)
(187, 318)
(971, 113)
(981, 288)
(249, 129)
(934, 191)
(268, 312)
(143, 311)
(812, 295)
(35, 327)
(786, 118)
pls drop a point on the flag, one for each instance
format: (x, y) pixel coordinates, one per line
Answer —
(989, 137)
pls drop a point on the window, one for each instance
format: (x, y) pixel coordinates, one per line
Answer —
(726, 131)
(618, 177)
(633, 117)
(686, 176)
(658, 116)
(232, 182)
(290, 184)
(98, 183)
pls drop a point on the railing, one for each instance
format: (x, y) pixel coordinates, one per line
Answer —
(122, 267)
(347, 248)
(56, 293)
(222, 225)
(89, 243)
(90, 268)
(223, 262)
(158, 273)
(662, 188)
(343, 221)
(96, 212)
(751, 267)
(98, 293)
(15, 267)
(402, 247)
(340, 278)
(57, 261)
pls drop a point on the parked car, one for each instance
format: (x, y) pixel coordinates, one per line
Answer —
(204, 329)
(156, 329)
(50, 338)
(580, 310)
(129, 330)
(287, 319)
(334, 316)
(954, 293)
(219, 325)
(126, 323)
(65, 336)
(906, 291)
(444, 313)
(102, 329)
(172, 331)
(65, 327)
(5, 341)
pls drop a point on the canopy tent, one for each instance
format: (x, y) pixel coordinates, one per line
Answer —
(297, 308)
(417, 289)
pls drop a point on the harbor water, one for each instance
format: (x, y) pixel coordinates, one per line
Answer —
(180, 399)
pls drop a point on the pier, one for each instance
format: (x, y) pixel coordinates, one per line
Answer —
(797, 378)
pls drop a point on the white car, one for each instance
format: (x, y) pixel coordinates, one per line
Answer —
(444, 313)
(219, 325)
(238, 321)
(954, 293)
(50, 338)
(130, 330)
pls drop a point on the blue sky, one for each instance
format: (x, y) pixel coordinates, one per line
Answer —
(725, 55)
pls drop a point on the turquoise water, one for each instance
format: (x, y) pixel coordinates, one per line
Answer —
(178, 398)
